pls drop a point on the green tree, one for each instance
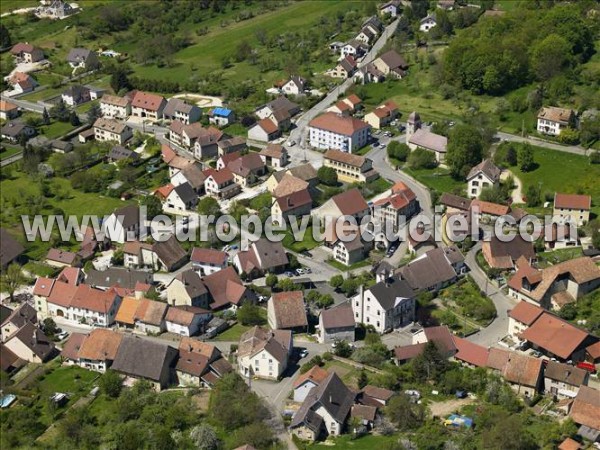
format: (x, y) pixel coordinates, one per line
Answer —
(362, 379)
(325, 301)
(596, 237)
(342, 349)
(204, 437)
(525, 157)
(153, 205)
(45, 117)
(349, 287)
(60, 112)
(430, 364)
(421, 159)
(93, 113)
(509, 432)
(286, 284)
(249, 314)
(209, 206)
(74, 119)
(550, 56)
(397, 150)
(271, 280)
(119, 80)
(465, 150)
(405, 414)
(111, 383)
(5, 39)
(12, 279)
(327, 176)
(50, 327)
(336, 281)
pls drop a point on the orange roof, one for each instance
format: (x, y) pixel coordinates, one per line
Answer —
(62, 294)
(92, 299)
(525, 312)
(167, 153)
(331, 121)
(7, 106)
(146, 100)
(100, 345)
(268, 125)
(555, 335)
(594, 350)
(220, 176)
(586, 407)
(43, 286)
(569, 444)
(164, 191)
(470, 352)
(492, 209)
(354, 99)
(193, 345)
(572, 201)
(126, 312)
(316, 374)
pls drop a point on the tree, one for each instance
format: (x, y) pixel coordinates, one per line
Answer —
(74, 119)
(60, 112)
(111, 383)
(327, 176)
(342, 349)
(12, 279)
(45, 117)
(525, 157)
(209, 206)
(509, 432)
(405, 414)
(5, 39)
(465, 150)
(286, 284)
(336, 281)
(430, 364)
(249, 314)
(421, 159)
(349, 287)
(119, 80)
(204, 437)
(325, 300)
(398, 151)
(271, 280)
(50, 327)
(550, 56)
(93, 113)
(419, 8)
(596, 237)
(362, 380)
(153, 206)
(511, 157)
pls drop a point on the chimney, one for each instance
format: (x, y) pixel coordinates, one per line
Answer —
(289, 202)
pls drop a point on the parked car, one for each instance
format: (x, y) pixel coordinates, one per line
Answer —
(62, 335)
(288, 274)
(381, 145)
(303, 353)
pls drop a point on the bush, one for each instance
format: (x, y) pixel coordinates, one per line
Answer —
(421, 159)
(398, 151)
(327, 176)
(569, 136)
(595, 157)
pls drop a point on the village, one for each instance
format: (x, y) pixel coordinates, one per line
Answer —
(357, 339)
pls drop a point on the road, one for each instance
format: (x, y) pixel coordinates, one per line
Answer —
(490, 335)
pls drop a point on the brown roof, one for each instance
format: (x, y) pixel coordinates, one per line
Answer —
(110, 125)
(274, 342)
(377, 392)
(192, 363)
(393, 60)
(10, 248)
(288, 185)
(273, 151)
(331, 121)
(442, 338)
(150, 311)
(525, 313)
(430, 141)
(61, 256)
(21, 47)
(565, 373)
(246, 164)
(208, 256)
(72, 346)
(594, 350)
(555, 114)
(305, 172)
(7, 358)
(470, 352)
(268, 125)
(407, 352)
(127, 309)
(354, 99)
(586, 408)
(183, 316)
(515, 367)
(193, 345)
(92, 299)
(225, 287)
(504, 254)
(555, 335)
(493, 209)
(62, 294)
(350, 202)
(220, 176)
(340, 316)
(572, 201)
(455, 201)
(316, 374)
(147, 100)
(294, 200)
(488, 168)
(100, 345)
(345, 157)
(289, 309)
(115, 100)
(364, 412)
(7, 106)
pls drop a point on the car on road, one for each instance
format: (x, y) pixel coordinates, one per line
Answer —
(303, 353)
(299, 272)
(288, 274)
(62, 335)
(291, 143)
(391, 250)
(536, 354)
(381, 145)
(388, 134)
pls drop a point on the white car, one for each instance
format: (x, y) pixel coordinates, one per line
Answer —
(291, 143)
(304, 353)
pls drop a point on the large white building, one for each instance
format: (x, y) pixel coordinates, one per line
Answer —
(552, 120)
(331, 130)
(264, 354)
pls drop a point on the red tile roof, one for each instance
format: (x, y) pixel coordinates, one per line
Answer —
(525, 313)
(147, 100)
(572, 201)
(221, 176)
(555, 335)
(470, 352)
(493, 209)
(289, 309)
(43, 286)
(100, 345)
(268, 126)
(316, 374)
(331, 121)
(92, 299)
(586, 408)
(208, 256)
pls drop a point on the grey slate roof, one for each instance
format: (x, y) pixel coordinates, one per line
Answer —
(193, 283)
(428, 271)
(270, 254)
(77, 55)
(35, 340)
(143, 358)
(177, 105)
(388, 290)
(10, 248)
(185, 192)
(488, 168)
(565, 373)
(130, 213)
(125, 278)
(118, 153)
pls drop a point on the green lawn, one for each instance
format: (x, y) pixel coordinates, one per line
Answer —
(563, 172)
(546, 259)
(368, 442)
(338, 265)
(9, 5)
(438, 179)
(233, 333)
(465, 299)
(42, 94)
(56, 129)
(9, 150)
(307, 243)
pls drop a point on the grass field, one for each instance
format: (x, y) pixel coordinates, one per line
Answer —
(9, 150)
(546, 259)
(307, 243)
(368, 442)
(438, 179)
(9, 5)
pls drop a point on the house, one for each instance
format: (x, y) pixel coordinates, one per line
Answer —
(81, 58)
(522, 317)
(489, 211)
(504, 255)
(191, 174)
(366, 36)
(337, 324)
(556, 285)
(572, 208)
(93, 306)
(557, 338)
(307, 381)
(484, 175)
(353, 48)
(167, 255)
(420, 138)
(281, 103)
(469, 353)
(99, 349)
(348, 204)
(225, 289)
(387, 305)
(275, 156)
(10, 249)
(324, 410)
(294, 86)
(287, 311)
(186, 320)
(59, 146)
(330, 130)
(427, 23)
(228, 145)
(552, 120)
(112, 130)
(22, 82)
(391, 64)
(59, 258)
(75, 95)
(369, 74)
(434, 270)
(351, 250)
(350, 168)
(365, 415)
(18, 317)
(375, 395)
(261, 257)
(15, 131)
(207, 260)
(391, 8)
(24, 52)
(177, 109)
(8, 111)
(264, 354)
(220, 183)
(523, 373)
(265, 130)
(440, 336)
(247, 169)
(30, 344)
(221, 117)
(188, 289)
(115, 107)
(297, 204)
(341, 108)
(585, 412)
(383, 115)
(344, 69)
(182, 198)
(225, 159)
(147, 105)
(175, 161)
(563, 380)
(69, 354)
(125, 224)
(374, 24)
(142, 314)
(119, 153)
(194, 136)
(406, 353)
(140, 358)
(200, 364)
(397, 208)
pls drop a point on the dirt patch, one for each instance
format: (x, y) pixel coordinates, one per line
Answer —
(201, 400)
(441, 409)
